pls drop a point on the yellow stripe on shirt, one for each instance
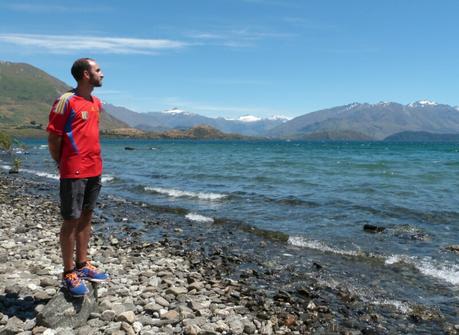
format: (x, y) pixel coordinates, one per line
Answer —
(60, 108)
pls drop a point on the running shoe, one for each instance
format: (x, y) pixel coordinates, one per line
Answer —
(74, 285)
(91, 273)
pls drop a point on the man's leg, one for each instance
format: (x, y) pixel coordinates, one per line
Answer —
(67, 240)
(84, 268)
(83, 234)
(71, 202)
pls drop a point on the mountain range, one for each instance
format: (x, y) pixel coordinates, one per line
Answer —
(178, 119)
(356, 121)
(26, 94)
(374, 121)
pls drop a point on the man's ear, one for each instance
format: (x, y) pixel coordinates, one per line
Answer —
(86, 74)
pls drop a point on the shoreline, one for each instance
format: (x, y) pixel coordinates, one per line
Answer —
(173, 284)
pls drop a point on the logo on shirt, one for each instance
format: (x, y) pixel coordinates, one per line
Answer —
(84, 115)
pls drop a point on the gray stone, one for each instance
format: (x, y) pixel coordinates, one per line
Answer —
(85, 330)
(29, 324)
(235, 324)
(65, 311)
(47, 281)
(176, 290)
(127, 328)
(170, 315)
(152, 307)
(108, 315)
(249, 328)
(137, 326)
(13, 326)
(128, 317)
(64, 331)
(161, 301)
(267, 328)
(113, 328)
(191, 330)
(96, 323)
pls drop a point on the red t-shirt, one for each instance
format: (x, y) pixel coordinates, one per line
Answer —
(77, 121)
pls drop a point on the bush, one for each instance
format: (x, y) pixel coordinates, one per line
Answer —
(6, 142)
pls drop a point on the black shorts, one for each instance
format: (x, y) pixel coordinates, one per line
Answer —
(78, 194)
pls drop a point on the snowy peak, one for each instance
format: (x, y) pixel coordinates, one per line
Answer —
(423, 103)
(249, 118)
(176, 111)
(279, 118)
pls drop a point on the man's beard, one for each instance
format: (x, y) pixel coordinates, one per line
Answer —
(94, 82)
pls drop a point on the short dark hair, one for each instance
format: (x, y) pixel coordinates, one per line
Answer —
(79, 66)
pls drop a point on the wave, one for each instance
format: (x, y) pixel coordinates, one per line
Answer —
(299, 241)
(402, 307)
(42, 174)
(178, 193)
(199, 218)
(55, 176)
(107, 178)
(445, 271)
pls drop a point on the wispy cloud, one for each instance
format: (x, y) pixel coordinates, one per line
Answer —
(46, 8)
(235, 38)
(72, 43)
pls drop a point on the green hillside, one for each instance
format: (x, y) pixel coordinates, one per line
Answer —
(26, 96)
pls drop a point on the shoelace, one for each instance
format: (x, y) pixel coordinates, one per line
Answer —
(72, 276)
(90, 267)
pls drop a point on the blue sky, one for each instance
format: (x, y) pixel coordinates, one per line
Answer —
(236, 57)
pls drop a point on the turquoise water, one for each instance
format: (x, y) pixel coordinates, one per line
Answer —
(319, 194)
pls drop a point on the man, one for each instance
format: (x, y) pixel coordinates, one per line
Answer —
(73, 141)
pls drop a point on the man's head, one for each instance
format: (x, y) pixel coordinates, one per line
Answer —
(86, 69)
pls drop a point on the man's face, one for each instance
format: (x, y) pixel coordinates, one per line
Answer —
(95, 74)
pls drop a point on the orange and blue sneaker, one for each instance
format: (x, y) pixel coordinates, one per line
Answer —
(74, 285)
(91, 273)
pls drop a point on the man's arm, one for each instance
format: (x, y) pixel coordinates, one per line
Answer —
(54, 146)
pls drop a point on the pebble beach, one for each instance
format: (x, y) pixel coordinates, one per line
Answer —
(163, 287)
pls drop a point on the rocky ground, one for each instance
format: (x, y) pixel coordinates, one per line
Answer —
(161, 288)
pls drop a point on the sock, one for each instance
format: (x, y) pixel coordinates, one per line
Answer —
(79, 265)
(66, 272)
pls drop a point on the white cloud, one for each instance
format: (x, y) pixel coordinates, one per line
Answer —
(46, 8)
(234, 38)
(71, 43)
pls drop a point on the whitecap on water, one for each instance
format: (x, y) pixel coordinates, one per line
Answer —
(401, 306)
(199, 218)
(178, 193)
(445, 271)
(41, 174)
(299, 241)
(107, 178)
(55, 176)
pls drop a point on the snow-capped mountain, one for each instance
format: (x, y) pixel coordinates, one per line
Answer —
(352, 121)
(176, 111)
(423, 103)
(176, 118)
(376, 121)
(249, 118)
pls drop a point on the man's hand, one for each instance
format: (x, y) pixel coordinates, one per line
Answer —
(54, 146)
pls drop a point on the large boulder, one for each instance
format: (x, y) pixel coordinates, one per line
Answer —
(65, 311)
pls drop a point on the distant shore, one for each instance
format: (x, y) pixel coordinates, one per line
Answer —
(169, 285)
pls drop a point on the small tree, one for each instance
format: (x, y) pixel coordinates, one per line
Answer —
(6, 142)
